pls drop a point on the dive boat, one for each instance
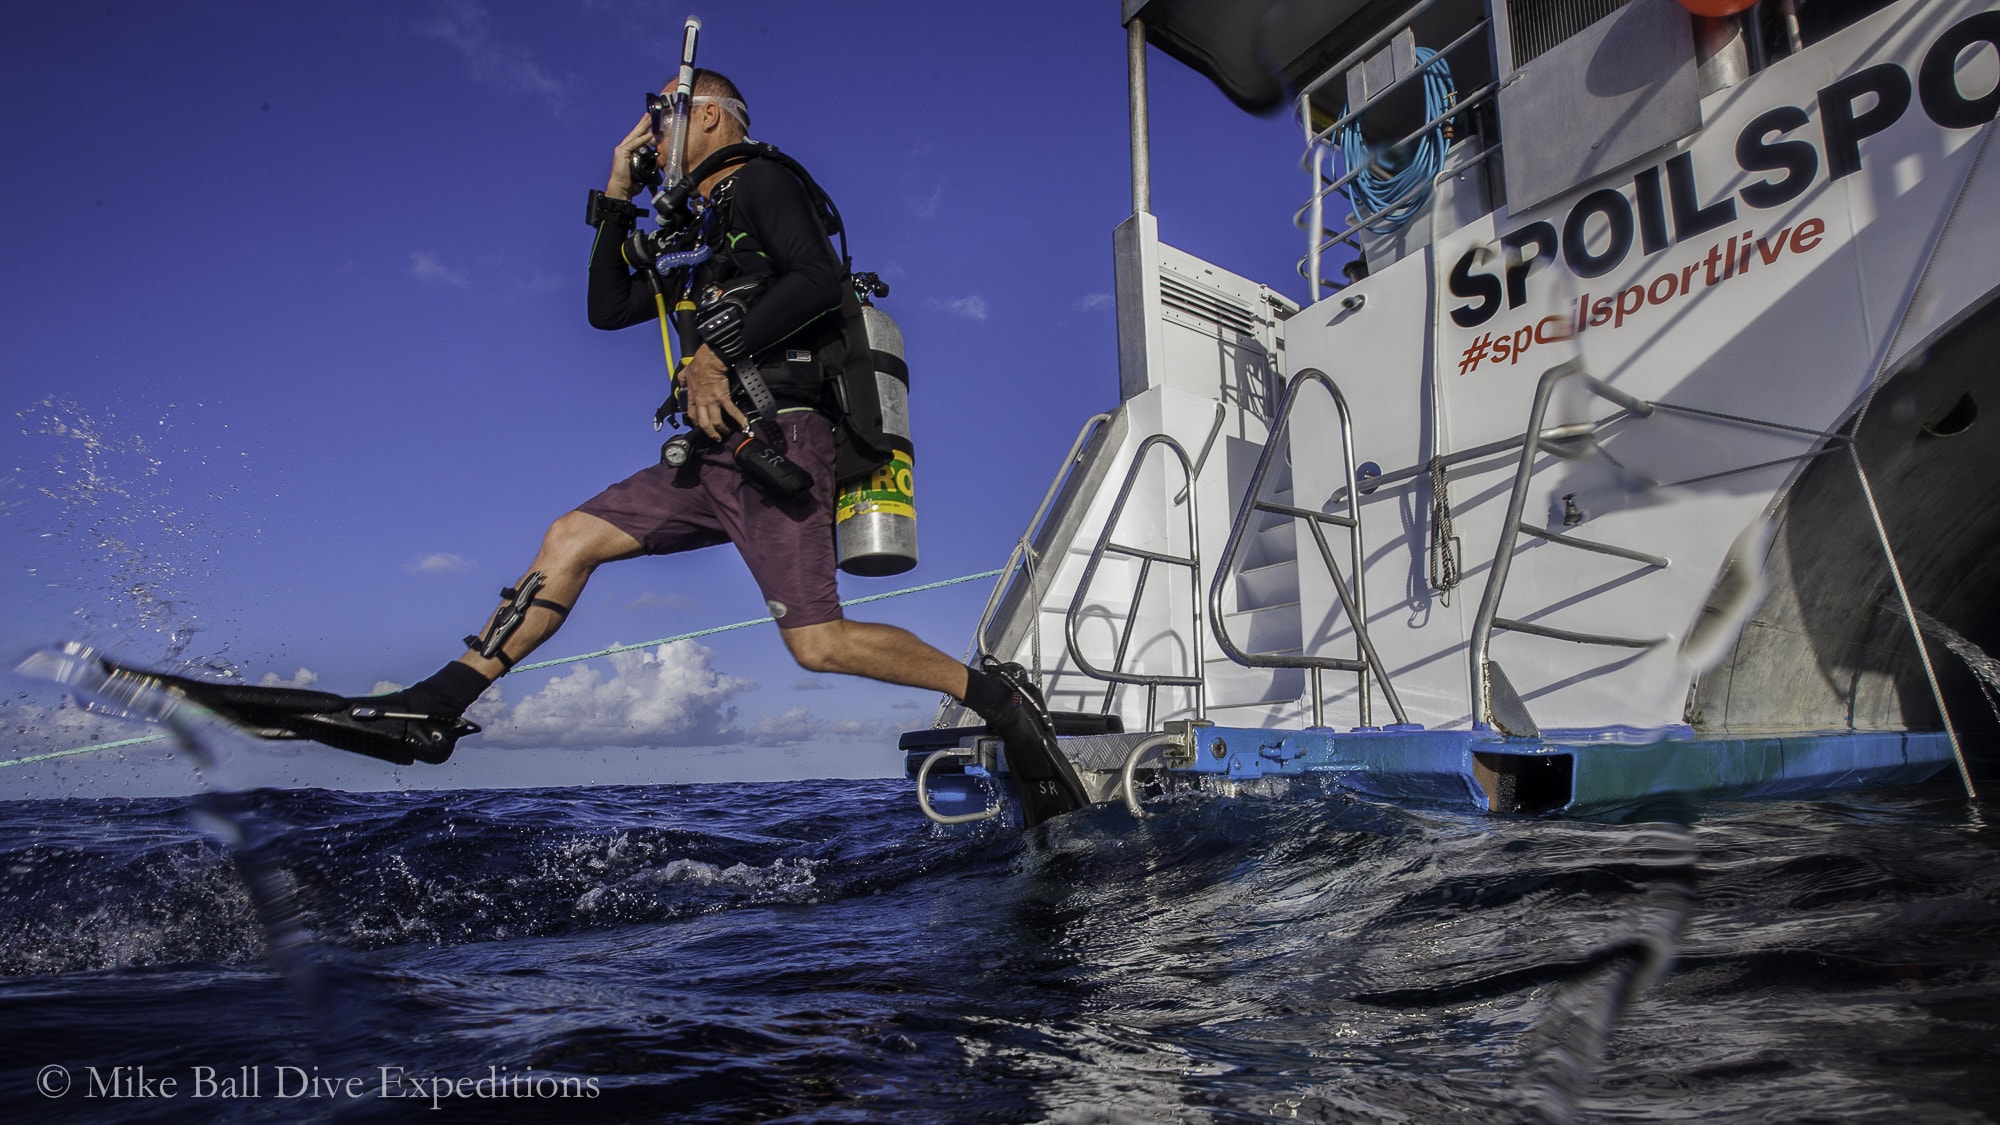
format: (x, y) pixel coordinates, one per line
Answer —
(1627, 447)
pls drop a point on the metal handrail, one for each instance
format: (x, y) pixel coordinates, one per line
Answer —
(1357, 222)
(1024, 554)
(1355, 605)
(1127, 781)
(1316, 203)
(1321, 136)
(1572, 431)
(1312, 215)
(1116, 674)
(923, 790)
(1207, 447)
(1511, 528)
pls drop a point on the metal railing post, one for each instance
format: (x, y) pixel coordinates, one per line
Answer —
(1312, 216)
(1192, 561)
(1142, 147)
(1024, 554)
(1511, 529)
(1354, 604)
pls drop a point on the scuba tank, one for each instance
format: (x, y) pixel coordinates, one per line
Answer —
(875, 513)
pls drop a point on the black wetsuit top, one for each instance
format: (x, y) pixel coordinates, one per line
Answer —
(765, 227)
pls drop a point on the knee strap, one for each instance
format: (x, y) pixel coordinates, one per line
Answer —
(518, 600)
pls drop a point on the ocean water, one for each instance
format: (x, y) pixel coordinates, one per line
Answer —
(819, 952)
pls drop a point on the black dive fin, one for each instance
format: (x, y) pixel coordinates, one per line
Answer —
(318, 716)
(1048, 783)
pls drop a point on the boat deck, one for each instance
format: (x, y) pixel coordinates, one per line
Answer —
(1576, 772)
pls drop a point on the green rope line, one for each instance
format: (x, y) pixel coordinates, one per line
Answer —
(746, 624)
(559, 660)
(82, 750)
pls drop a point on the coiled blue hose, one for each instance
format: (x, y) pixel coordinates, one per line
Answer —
(1377, 189)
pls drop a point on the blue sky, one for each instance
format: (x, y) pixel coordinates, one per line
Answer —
(296, 371)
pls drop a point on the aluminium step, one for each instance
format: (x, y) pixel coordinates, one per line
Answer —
(1261, 587)
(1268, 628)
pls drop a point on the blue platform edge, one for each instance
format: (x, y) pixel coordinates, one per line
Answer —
(1607, 768)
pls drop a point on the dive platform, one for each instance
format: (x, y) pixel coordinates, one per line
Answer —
(1581, 772)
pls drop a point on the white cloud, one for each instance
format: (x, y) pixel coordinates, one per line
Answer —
(303, 678)
(813, 683)
(668, 696)
(971, 308)
(926, 207)
(1091, 302)
(467, 28)
(796, 724)
(31, 728)
(425, 266)
(439, 563)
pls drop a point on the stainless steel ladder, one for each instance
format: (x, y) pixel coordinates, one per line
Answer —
(1116, 673)
(1493, 698)
(1027, 557)
(1512, 716)
(1354, 603)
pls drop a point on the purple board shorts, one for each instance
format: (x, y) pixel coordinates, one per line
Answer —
(788, 544)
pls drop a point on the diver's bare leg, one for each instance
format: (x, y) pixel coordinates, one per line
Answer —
(879, 652)
(574, 547)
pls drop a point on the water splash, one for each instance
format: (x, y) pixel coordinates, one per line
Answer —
(115, 533)
(1982, 665)
(1985, 669)
(336, 997)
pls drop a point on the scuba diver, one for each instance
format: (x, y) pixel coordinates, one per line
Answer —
(755, 470)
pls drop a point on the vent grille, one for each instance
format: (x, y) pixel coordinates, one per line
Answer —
(1182, 297)
(1535, 26)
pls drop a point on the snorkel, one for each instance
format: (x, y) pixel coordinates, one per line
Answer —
(677, 127)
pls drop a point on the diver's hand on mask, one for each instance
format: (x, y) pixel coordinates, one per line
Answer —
(619, 186)
(709, 408)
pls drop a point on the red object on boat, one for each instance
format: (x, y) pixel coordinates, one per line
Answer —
(1716, 8)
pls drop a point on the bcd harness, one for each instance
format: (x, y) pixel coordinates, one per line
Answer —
(694, 231)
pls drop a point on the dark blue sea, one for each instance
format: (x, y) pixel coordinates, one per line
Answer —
(816, 951)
